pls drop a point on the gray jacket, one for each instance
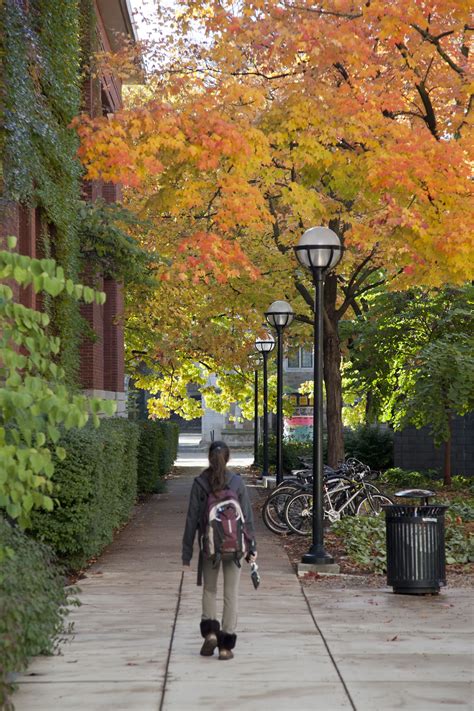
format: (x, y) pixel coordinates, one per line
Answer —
(197, 505)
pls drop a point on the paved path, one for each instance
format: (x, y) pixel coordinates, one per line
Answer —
(137, 639)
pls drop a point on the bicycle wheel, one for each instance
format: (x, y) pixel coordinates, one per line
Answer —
(274, 506)
(372, 505)
(299, 513)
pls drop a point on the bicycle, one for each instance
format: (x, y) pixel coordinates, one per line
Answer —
(274, 507)
(351, 496)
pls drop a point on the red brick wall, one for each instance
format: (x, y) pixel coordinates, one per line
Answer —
(92, 352)
(110, 192)
(114, 370)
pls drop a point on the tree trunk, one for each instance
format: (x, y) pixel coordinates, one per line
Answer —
(447, 456)
(332, 374)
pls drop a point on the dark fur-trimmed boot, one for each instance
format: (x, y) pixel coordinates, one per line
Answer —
(210, 630)
(226, 645)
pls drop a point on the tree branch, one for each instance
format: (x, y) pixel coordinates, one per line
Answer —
(304, 293)
(436, 41)
(430, 118)
(319, 11)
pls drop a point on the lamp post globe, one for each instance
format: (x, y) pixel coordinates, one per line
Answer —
(319, 250)
(264, 346)
(279, 315)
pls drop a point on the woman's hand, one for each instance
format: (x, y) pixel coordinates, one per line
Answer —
(252, 557)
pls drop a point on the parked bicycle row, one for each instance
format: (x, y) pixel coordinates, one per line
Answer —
(348, 490)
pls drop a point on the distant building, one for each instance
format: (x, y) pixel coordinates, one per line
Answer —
(297, 368)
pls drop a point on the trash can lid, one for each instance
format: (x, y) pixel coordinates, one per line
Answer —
(415, 493)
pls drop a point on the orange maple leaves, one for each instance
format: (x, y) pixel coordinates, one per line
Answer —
(295, 114)
(137, 144)
(206, 255)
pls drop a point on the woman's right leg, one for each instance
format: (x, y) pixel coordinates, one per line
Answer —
(210, 627)
(227, 637)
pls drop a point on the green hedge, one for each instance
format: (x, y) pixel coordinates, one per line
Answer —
(33, 602)
(157, 451)
(372, 444)
(95, 488)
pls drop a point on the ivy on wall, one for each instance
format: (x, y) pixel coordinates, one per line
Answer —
(41, 58)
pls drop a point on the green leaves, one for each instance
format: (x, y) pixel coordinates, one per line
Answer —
(34, 599)
(35, 403)
(414, 354)
(364, 540)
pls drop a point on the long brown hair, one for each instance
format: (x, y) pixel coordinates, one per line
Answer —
(218, 457)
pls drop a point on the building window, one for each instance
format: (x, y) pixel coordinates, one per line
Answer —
(294, 358)
(306, 357)
(300, 358)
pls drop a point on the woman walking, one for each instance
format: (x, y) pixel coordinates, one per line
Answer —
(219, 509)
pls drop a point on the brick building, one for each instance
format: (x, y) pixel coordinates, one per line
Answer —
(101, 359)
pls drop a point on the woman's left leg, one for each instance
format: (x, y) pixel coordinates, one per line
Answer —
(210, 627)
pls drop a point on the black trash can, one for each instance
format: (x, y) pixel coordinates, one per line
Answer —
(416, 563)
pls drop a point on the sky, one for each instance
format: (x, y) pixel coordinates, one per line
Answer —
(144, 10)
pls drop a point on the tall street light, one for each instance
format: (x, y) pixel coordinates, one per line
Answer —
(255, 417)
(279, 316)
(319, 250)
(265, 346)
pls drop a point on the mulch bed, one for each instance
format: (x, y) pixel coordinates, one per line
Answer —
(352, 574)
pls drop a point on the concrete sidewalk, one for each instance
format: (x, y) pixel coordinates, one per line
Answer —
(137, 636)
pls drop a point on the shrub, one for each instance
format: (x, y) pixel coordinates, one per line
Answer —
(459, 543)
(460, 509)
(33, 602)
(371, 444)
(404, 478)
(157, 450)
(95, 490)
(364, 540)
(462, 482)
(292, 451)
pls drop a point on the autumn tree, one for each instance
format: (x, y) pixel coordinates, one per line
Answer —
(262, 119)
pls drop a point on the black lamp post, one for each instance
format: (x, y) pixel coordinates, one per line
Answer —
(255, 418)
(319, 250)
(279, 315)
(265, 346)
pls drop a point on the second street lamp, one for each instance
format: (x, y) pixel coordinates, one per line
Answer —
(319, 250)
(279, 315)
(265, 346)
